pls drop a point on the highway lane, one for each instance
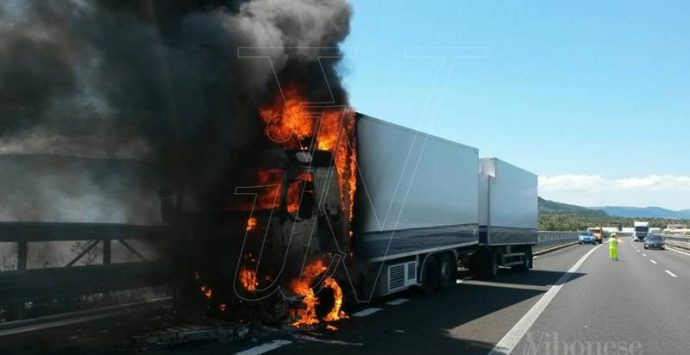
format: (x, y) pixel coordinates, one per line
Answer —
(633, 303)
(469, 319)
(632, 306)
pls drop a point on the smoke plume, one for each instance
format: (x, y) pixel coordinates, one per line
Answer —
(175, 81)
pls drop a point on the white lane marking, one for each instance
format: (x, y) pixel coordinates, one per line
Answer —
(643, 254)
(672, 274)
(653, 262)
(397, 302)
(507, 285)
(264, 348)
(325, 341)
(366, 312)
(513, 337)
(676, 250)
(457, 282)
(637, 250)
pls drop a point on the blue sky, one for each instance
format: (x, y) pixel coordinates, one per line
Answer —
(593, 91)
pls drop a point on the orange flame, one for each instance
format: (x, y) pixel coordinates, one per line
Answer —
(295, 190)
(248, 280)
(207, 291)
(272, 182)
(302, 286)
(251, 224)
(336, 313)
(290, 122)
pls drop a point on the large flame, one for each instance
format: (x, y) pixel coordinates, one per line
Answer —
(288, 120)
(291, 123)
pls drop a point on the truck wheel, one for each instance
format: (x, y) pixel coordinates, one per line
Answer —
(430, 281)
(447, 272)
(491, 266)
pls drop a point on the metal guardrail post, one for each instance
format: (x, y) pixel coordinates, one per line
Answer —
(107, 254)
(16, 310)
(22, 284)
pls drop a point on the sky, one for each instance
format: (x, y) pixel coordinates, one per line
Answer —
(594, 96)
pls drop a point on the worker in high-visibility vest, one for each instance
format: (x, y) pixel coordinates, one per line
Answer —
(613, 247)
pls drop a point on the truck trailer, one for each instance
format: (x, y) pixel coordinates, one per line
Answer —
(423, 207)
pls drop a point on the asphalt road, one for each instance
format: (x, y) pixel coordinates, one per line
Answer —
(637, 305)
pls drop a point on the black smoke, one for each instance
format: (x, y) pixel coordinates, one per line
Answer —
(169, 80)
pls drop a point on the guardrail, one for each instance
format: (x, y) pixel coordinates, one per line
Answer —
(677, 241)
(20, 283)
(554, 240)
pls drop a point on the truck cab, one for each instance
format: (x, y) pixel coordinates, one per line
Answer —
(251, 235)
(641, 231)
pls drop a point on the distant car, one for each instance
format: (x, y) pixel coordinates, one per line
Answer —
(587, 238)
(654, 242)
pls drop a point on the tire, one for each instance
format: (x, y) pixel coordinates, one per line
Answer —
(489, 266)
(431, 273)
(447, 271)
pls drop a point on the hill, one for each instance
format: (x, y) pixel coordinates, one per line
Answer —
(547, 207)
(556, 216)
(646, 212)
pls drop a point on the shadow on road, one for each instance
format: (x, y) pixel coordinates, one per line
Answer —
(468, 319)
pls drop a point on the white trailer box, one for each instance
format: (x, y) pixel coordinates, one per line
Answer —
(508, 204)
(417, 192)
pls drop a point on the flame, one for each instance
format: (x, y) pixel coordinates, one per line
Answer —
(248, 280)
(302, 286)
(207, 291)
(336, 313)
(295, 190)
(272, 182)
(251, 224)
(336, 132)
(290, 122)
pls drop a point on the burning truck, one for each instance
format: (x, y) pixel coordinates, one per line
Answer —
(338, 206)
(286, 202)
